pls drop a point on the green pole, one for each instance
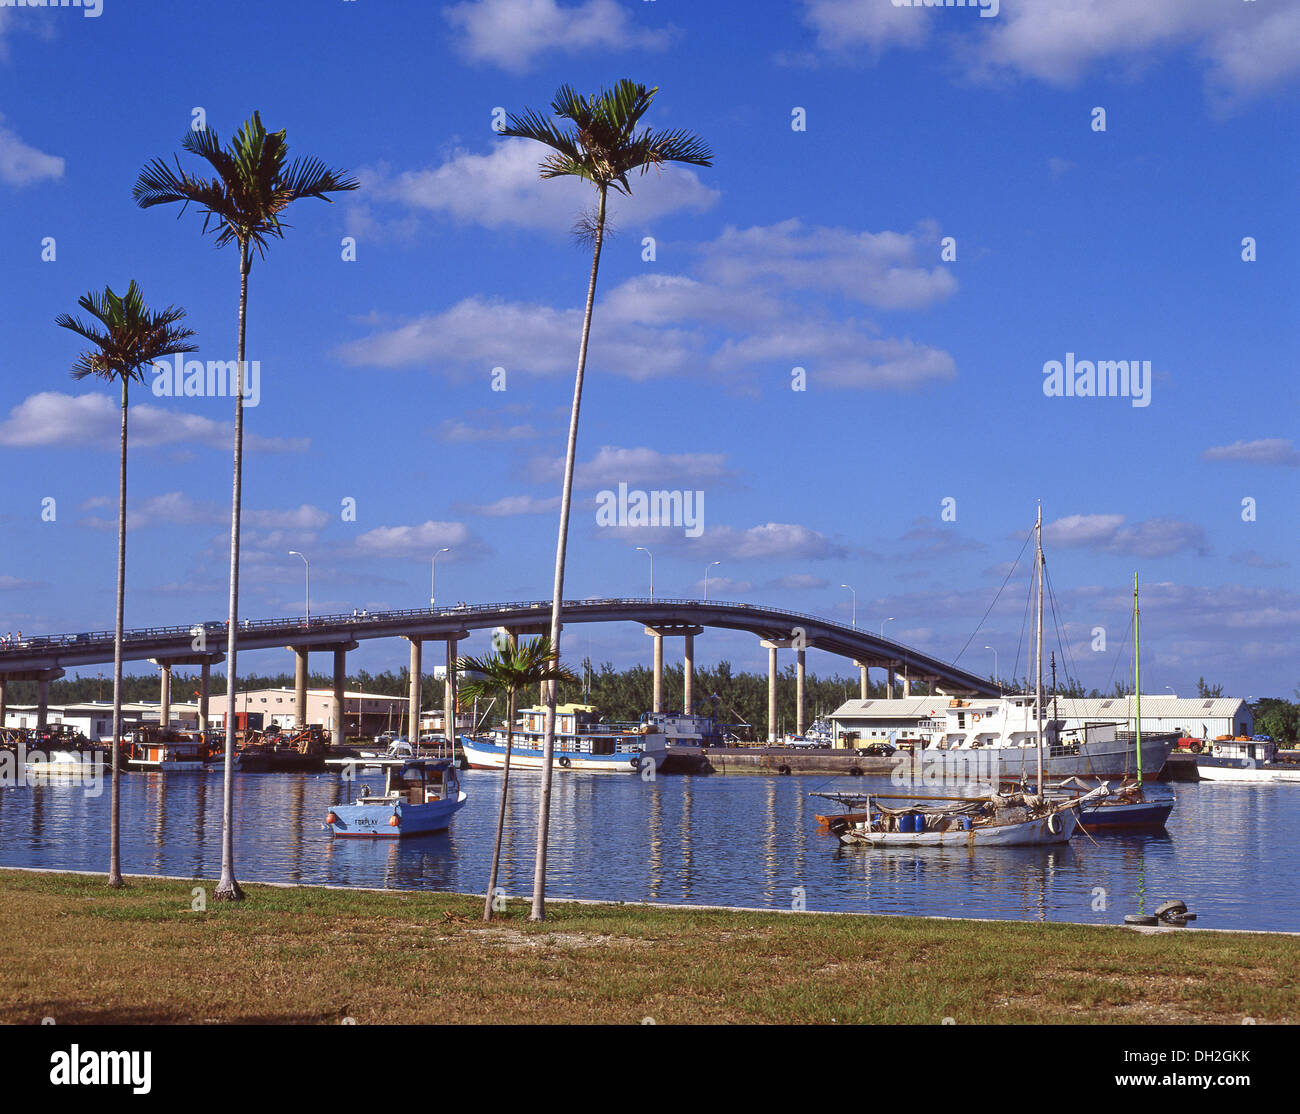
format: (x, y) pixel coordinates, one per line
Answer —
(1137, 687)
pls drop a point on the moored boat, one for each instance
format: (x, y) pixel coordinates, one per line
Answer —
(420, 797)
(582, 744)
(1254, 759)
(168, 751)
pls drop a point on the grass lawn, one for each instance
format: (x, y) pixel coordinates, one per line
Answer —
(81, 953)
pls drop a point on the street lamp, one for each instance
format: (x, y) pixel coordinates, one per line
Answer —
(706, 578)
(995, 667)
(652, 568)
(433, 574)
(855, 606)
(882, 626)
(295, 553)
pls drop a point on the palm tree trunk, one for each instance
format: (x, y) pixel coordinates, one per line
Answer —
(115, 808)
(501, 814)
(228, 889)
(548, 740)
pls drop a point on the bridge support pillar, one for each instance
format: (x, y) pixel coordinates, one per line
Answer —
(165, 694)
(4, 702)
(889, 681)
(42, 703)
(205, 685)
(864, 685)
(338, 729)
(413, 691)
(688, 674)
(300, 673)
(907, 685)
(771, 645)
(449, 695)
(657, 704)
(799, 656)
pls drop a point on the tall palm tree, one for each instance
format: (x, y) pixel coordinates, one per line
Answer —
(254, 184)
(126, 337)
(510, 669)
(603, 147)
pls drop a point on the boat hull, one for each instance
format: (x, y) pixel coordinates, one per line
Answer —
(1127, 816)
(372, 821)
(1028, 833)
(481, 755)
(1231, 769)
(1111, 758)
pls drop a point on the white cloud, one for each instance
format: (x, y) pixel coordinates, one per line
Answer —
(1110, 533)
(881, 269)
(458, 432)
(1268, 450)
(23, 165)
(511, 505)
(756, 310)
(405, 541)
(635, 467)
(513, 33)
(95, 421)
(1247, 47)
(784, 540)
(502, 189)
(176, 508)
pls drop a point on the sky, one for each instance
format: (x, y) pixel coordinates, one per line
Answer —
(841, 334)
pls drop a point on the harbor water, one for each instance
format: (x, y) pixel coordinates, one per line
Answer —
(741, 840)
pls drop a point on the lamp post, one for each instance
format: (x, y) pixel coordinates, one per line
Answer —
(433, 574)
(882, 626)
(706, 578)
(652, 568)
(295, 553)
(855, 605)
(995, 667)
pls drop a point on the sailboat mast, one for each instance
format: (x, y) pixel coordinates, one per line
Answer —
(1137, 685)
(1038, 697)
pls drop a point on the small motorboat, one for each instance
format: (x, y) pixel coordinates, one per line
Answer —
(420, 797)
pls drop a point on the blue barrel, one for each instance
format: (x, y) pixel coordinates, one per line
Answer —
(963, 822)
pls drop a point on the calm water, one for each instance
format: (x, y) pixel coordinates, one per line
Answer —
(748, 841)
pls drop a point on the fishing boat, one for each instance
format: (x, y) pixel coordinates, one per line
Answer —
(420, 797)
(165, 750)
(998, 820)
(1253, 759)
(301, 749)
(1017, 819)
(583, 744)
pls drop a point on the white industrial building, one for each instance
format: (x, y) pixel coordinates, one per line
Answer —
(859, 722)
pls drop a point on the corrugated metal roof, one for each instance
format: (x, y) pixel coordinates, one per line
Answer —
(1156, 707)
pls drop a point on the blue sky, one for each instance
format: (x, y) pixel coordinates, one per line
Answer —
(815, 248)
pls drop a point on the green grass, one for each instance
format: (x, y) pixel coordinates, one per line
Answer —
(80, 953)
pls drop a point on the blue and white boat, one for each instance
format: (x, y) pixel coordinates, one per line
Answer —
(420, 796)
(582, 744)
(1251, 759)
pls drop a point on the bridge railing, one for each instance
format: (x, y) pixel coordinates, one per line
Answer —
(367, 618)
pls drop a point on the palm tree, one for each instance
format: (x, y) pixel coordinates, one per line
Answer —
(126, 337)
(243, 204)
(511, 669)
(603, 147)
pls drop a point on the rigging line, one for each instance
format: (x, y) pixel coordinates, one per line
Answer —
(1024, 622)
(1067, 655)
(1119, 654)
(1010, 573)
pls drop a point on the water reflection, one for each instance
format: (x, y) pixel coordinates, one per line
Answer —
(719, 840)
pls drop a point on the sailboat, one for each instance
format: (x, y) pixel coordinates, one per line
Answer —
(1132, 807)
(1018, 819)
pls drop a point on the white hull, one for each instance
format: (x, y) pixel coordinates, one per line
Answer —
(1259, 775)
(481, 756)
(1029, 833)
